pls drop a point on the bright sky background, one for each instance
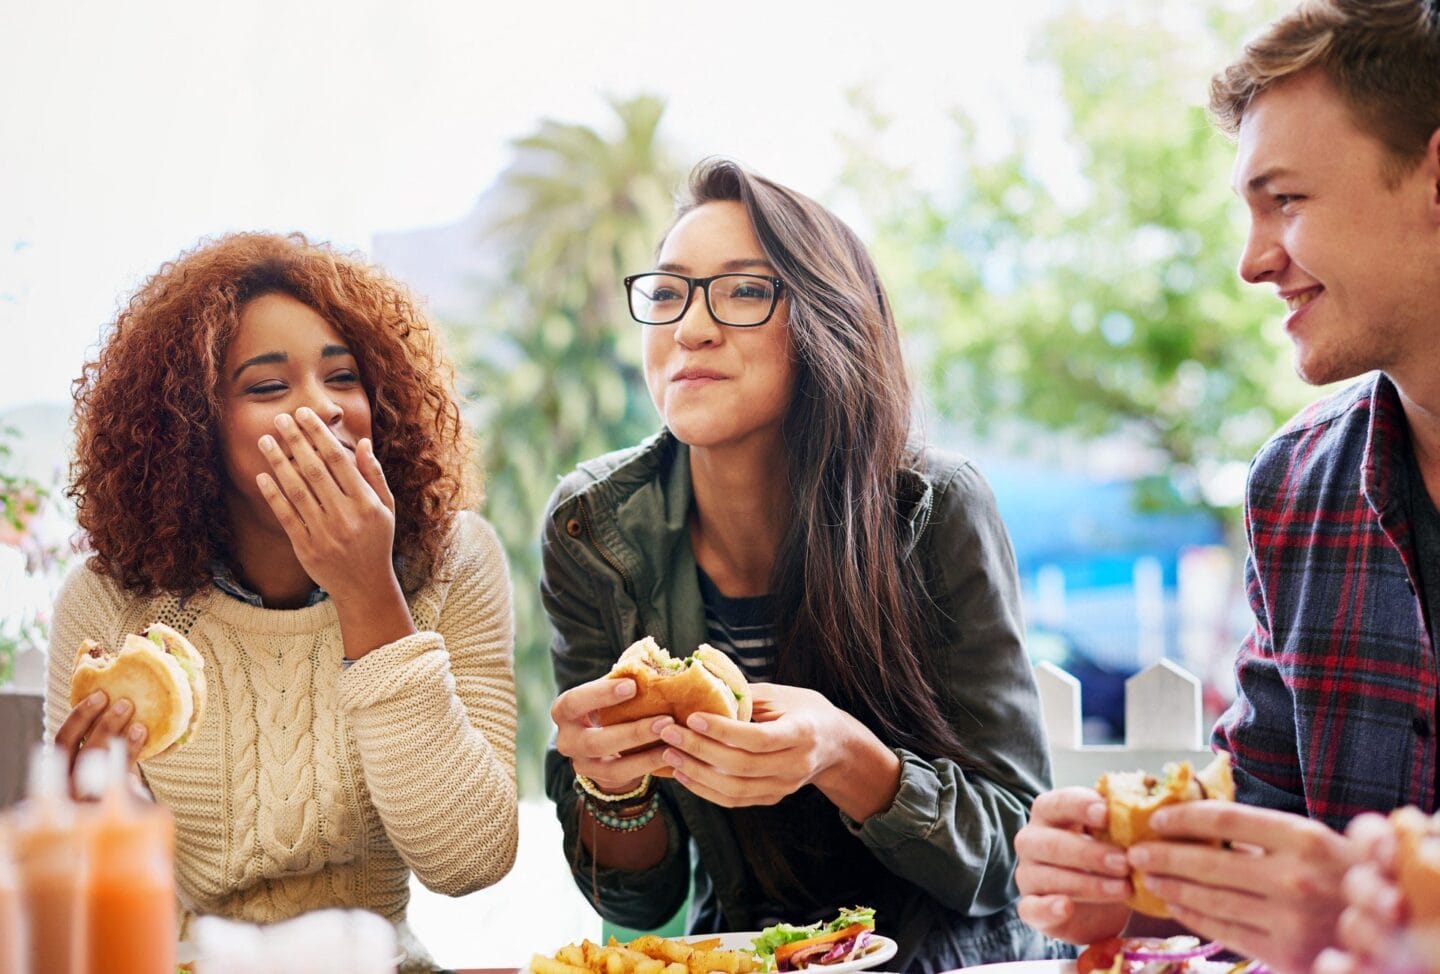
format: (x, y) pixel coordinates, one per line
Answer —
(129, 130)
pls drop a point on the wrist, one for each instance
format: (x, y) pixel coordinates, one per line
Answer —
(633, 793)
(371, 622)
(865, 778)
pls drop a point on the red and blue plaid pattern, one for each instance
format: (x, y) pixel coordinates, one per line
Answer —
(1336, 706)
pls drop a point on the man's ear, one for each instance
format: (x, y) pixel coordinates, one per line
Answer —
(1431, 167)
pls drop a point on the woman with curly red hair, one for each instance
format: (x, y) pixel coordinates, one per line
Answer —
(270, 459)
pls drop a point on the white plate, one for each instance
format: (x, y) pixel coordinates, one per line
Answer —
(1021, 967)
(1068, 967)
(878, 951)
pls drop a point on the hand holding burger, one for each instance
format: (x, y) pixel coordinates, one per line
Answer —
(156, 681)
(1133, 796)
(706, 682)
(610, 727)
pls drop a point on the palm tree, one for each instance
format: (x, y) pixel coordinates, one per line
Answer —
(558, 379)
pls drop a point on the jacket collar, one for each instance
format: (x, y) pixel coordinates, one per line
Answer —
(648, 490)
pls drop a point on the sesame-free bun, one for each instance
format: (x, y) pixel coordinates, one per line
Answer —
(1132, 797)
(708, 682)
(1418, 863)
(160, 673)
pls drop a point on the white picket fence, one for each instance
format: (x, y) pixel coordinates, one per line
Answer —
(1163, 722)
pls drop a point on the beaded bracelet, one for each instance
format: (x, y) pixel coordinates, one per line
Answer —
(585, 786)
(624, 823)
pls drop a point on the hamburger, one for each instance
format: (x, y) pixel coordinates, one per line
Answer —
(705, 682)
(1132, 797)
(159, 672)
(1417, 860)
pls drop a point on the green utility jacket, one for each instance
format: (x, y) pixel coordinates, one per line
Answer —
(618, 566)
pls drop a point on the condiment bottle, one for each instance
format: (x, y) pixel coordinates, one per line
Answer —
(12, 932)
(50, 863)
(130, 886)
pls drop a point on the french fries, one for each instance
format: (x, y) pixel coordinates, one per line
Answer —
(648, 954)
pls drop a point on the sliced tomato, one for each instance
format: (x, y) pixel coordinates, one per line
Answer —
(1100, 956)
(784, 952)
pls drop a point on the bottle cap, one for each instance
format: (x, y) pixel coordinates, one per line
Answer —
(47, 777)
(99, 773)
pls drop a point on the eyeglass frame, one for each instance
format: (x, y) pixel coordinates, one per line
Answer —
(703, 284)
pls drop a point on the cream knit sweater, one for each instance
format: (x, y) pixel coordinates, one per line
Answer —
(307, 786)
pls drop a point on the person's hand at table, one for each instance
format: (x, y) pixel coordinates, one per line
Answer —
(1273, 894)
(1072, 885)
(1369, 932)
(93, 723)
(795, 737)
(616, 757)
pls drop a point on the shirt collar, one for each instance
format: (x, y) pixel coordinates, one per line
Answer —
(1385, 445)
(226, 582)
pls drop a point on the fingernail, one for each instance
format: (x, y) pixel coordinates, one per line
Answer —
(660, 724)
(1095, 815)
(1116, 862)
(284, 421)
(95, 699)
(1113, 887)
(122, 707)
(1057, 909)
(267, 442)
(624, 688)
(671, 735)
(1160, 819)
(305, 413)
(673, 759)
(697, 723)
(137, 732)
(1140, 857)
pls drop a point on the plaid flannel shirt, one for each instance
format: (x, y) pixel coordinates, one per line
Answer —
(1336, 706)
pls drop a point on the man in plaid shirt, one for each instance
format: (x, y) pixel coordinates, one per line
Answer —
(1337, 111)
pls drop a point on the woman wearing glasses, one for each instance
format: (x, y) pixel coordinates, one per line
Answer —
(865, 585)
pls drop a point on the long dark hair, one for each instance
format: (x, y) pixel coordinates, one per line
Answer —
(852, 611)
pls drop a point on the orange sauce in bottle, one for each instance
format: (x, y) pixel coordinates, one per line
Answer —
(50, 860)
(12, 933)
(130, 885)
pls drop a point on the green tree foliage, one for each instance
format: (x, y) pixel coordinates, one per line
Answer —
(1102, 300)
(554, 358)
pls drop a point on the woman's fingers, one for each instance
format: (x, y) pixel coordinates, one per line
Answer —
(76, 725)
(617, 775)
(307, 462)
(579, 701)
(374, 473)
(290, 482)
(113, 721)
(340, 465)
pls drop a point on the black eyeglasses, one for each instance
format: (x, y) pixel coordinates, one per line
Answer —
(737, 300)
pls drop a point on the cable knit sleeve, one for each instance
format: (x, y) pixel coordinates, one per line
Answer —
(89, 606)
(434, 717)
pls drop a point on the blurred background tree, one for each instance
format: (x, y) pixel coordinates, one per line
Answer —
(552, 360)
(1085, 284)
(21, 497)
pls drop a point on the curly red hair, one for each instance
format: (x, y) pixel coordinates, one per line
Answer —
(147, 476)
